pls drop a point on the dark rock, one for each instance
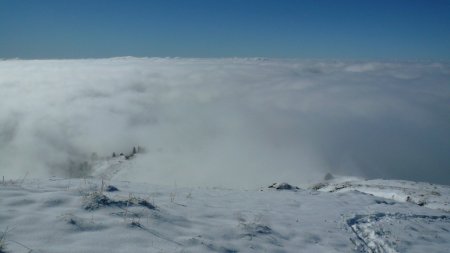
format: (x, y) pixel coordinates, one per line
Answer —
(111, 188)
(284, 186)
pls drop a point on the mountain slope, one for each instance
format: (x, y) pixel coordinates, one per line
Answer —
(89, 215)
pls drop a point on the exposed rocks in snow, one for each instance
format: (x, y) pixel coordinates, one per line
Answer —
(422, 194)
(96, 200)
(111, 188)
(284, 186)
(319, 186)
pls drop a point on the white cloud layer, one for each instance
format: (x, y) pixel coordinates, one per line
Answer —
(228, 121)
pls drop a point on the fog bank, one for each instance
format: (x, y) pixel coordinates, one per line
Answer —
(229, 122)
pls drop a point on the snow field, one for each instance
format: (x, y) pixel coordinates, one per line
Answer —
(52, 216)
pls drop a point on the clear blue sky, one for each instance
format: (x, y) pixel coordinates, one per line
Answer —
(336, 29)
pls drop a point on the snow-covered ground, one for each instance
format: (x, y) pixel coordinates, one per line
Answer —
(423, 194)
(87, 215)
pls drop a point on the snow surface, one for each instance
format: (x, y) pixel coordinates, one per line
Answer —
(423, 194)
(85, 215)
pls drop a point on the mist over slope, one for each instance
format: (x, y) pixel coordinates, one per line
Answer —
(227, 121)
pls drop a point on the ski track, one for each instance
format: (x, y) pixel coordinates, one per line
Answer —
(374, 236)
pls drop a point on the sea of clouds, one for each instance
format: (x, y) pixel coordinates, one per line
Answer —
(229, 122)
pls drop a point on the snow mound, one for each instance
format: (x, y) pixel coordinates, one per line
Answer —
(423, 194)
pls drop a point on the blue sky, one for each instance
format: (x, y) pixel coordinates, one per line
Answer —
(359, 29)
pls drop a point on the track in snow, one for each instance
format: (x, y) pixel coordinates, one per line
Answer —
(392, 233)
